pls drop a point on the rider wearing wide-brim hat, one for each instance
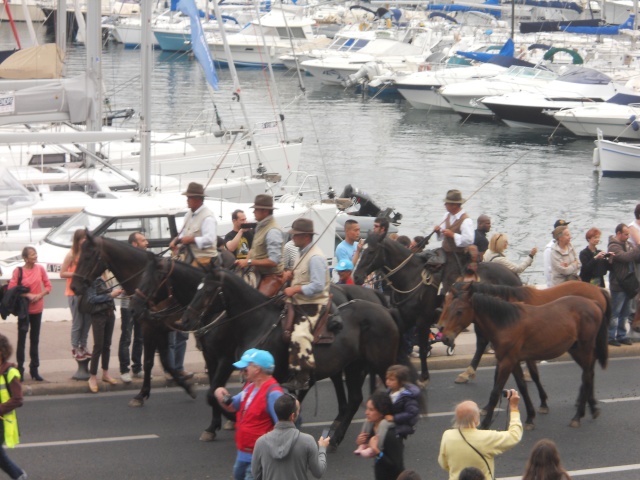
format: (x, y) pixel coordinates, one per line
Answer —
(457, 233)
(198, 234)
(308, 293)
(266, 250)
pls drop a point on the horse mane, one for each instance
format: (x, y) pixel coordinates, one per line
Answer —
(501, 312)
(504, 292)
(250, 294)
(396, 245)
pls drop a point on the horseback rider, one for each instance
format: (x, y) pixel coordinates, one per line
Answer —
(308, 293)
(198, 234)
(266, 251)
(457, 233)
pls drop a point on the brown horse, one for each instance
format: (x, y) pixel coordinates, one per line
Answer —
(520, 332)
(635, 325)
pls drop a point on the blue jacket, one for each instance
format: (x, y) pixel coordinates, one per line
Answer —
(406, 410)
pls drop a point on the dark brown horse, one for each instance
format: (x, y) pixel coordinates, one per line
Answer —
(127, 264)
(521, 332)
(367, 342)
(414, 293)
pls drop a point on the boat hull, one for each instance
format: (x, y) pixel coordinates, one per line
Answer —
(424, 97)
(618, 159)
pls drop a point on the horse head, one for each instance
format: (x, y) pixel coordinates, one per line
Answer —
(152, 286)
(90, 265)
(457, 311)
(204, 305)
(371, 258)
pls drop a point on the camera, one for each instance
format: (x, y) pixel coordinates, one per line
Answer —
(506, 393)
(248, 225)
(227, 399)
(607, 256)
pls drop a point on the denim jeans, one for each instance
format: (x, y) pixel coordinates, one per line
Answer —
(103, 324)
(33, 329)
(619, 313)
(127, 326)
(80, 324)
(177, 349)
(6, 464)
(242, 470)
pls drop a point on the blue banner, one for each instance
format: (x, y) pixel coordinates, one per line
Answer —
(198, 42)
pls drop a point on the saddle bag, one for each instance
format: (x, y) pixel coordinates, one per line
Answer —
(270, 284)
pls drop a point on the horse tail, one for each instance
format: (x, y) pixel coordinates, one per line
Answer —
(602, 339)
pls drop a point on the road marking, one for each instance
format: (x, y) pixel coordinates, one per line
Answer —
(87, 440)
(362, 420)
(591, 471)
(622, 399)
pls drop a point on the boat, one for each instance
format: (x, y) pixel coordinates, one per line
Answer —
(577, 87)
(616, 159)
(17, 11)
(613, 120)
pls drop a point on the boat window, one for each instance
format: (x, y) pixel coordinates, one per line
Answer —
(291, 32)
(359, 44)
(63, 235)
(156, 229)
(47, 159)
(49, 221)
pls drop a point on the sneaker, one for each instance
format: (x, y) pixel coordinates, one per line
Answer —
(74, 353)
(139, 374)
(186, 375)
(626, 341)
(125, 377)
(614, 343)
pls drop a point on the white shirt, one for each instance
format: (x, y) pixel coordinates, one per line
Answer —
(548, 276)
(633, 226)
(208, 228)
(467, 233)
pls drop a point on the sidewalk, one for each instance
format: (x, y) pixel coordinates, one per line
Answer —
(57, 366)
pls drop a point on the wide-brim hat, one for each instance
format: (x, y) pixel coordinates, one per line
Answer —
(302, 225)
(454, 196)
(263, 201)
(262, 358)
(194, 190)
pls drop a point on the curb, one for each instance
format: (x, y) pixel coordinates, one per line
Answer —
(202, 379)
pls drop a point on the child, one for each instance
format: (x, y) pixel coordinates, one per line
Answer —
(406, 408)
(344, 269)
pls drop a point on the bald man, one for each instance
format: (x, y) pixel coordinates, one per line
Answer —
(458, 444)
(481, 241)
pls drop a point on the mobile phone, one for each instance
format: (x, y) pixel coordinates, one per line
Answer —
(248, 225)
(325, 433)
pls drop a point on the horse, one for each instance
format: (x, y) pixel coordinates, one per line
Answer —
(414, 293)
(523, 332)
(127, 264)
(368, 340)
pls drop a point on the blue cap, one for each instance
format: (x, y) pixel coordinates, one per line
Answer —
(261, 358)
(344, 264)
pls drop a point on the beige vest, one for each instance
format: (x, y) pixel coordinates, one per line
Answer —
(193, 228)
(449, 244)
(259, 246)
(301, 276)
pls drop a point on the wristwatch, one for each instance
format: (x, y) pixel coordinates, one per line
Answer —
(249, 262)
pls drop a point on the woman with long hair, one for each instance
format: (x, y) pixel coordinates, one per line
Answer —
(80, 322)
(34, 277)
(544, 463)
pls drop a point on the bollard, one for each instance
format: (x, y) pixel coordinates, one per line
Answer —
(83, 370)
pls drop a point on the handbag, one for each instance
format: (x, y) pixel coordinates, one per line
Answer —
(630, 284)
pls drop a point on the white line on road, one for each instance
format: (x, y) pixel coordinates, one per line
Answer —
(362, 420)
(592, 471)
(622, 399)
(87, 440)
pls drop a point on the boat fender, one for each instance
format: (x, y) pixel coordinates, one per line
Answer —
(596, 157)
(634, 124)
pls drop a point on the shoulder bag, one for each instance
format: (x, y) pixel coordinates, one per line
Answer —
(629, 283)
(478, 452)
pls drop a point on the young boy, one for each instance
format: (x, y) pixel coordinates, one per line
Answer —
(344, 269)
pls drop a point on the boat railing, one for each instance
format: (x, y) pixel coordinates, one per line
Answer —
(293, 190)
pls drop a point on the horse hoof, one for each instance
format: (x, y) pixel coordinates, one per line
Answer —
(543, 410)
(422, 384)
(229, 425)
(575, 424)
(466, 376)
(529, 426)
(596, 413)
(207, 436)
(483, 412)
(136, 402)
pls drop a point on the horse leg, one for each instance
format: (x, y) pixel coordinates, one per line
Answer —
(535, 376)
(593, 403)
(587, 368)
(470, 372)
(503, 370)
(163, 351)
(518, 375)
(422, 330)
(219, 373)
(355, 374)
(150, 345)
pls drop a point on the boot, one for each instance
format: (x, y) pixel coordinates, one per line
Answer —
(34, 375)
(466, 376)
(298, 381)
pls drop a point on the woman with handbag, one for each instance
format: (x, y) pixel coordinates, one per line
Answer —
(103, 319)
(622, 283)
(34, 277)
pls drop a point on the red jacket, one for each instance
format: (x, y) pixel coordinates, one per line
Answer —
(254, 421)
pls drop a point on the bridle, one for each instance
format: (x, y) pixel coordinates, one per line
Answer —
(166, 306)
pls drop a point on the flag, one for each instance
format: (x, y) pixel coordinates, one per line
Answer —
(198, 42)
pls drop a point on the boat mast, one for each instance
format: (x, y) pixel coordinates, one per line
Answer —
(236, 85)
(94, 70)
(61, 26)
(145, 114)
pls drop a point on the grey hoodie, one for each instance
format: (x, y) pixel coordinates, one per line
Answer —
(285, 453)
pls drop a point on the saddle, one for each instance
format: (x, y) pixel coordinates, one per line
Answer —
(329, 322)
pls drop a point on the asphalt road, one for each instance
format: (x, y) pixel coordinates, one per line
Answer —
(101, 437)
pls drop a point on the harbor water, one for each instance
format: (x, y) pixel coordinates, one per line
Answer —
(404, 158)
